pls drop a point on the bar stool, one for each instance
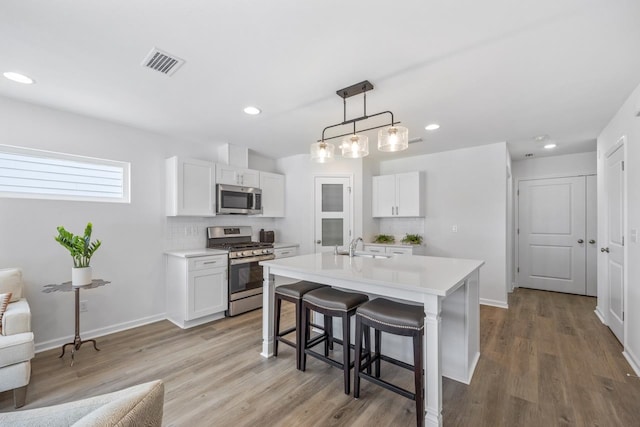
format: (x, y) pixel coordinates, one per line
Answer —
(293, 293)
(332, 303)
(399, 319)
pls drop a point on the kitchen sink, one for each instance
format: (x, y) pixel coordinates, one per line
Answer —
(366, 254)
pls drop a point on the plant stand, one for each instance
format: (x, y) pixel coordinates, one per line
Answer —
(66, 287)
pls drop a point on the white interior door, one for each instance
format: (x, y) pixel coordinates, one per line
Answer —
(332, 212)
(614, 249)
(552, 233)
(592, 236)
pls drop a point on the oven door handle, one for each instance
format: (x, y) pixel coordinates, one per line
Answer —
(237, 261)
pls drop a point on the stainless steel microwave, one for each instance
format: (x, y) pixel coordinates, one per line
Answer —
(238, 200)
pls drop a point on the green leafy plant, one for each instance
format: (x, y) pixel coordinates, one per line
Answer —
(384, 238)
(81, 248)
(412, 239)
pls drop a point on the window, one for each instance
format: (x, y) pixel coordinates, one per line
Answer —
(38, 174)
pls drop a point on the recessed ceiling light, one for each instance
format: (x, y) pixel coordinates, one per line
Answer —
(550, 146)
(540, 138)
(18, 78)
(252, 110)
(432, 126)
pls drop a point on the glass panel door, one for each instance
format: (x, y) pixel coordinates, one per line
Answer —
(332, 212)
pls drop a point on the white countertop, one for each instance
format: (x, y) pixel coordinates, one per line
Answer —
(190, 253)
(425, 274)
(280, 245)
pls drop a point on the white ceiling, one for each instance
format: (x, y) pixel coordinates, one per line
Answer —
(487, 71)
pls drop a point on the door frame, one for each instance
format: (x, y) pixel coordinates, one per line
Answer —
(516, 214)
(602, 307)
(351, 204)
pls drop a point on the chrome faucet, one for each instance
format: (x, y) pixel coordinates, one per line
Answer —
(353, 245)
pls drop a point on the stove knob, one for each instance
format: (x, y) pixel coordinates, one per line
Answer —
(265, 251)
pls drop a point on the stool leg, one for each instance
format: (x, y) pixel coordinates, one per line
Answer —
(417, 363)
(277, 325)
(367, 346)
(328, 343)
(305, 326)
(299, 334)
(346, 352)
(378, 335)
(357, 357)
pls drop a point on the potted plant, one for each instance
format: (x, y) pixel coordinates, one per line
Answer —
(81, 249)
(384, 238)
(412, 239)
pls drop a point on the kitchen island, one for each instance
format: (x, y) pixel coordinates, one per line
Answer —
(447, 287)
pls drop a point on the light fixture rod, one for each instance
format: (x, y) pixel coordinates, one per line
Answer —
(345, 134)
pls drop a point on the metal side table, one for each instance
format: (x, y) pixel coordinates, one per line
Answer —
(67, 287)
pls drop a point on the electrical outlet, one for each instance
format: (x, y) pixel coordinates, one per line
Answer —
(454, 228)
(84, 306)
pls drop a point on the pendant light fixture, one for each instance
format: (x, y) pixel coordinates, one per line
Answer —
(390, 138)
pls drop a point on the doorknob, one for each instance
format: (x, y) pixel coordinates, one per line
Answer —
(318, 241)
(580, 241)
(593, 242)
(604, 250)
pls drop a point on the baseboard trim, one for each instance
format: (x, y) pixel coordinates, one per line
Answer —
(95, 333)
(599, 315)
(633, 361)
(493, 303)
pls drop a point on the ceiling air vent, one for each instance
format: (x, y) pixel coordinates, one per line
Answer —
(162, 61)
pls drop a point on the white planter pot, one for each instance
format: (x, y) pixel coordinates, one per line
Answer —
(81, 276)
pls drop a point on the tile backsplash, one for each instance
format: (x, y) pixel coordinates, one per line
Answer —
(398, 227)
(191, 232)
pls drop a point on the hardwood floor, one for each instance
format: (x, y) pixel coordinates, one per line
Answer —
(547, 361)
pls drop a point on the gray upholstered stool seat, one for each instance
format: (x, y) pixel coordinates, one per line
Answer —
(395, 318)
(298, 289)
(333, 299)
(331, 303)
(392, 313)
(293, 293)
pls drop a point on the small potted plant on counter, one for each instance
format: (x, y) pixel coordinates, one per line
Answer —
(81, 249)
(412, 239)
(384, 238)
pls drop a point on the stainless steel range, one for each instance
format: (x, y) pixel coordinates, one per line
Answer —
(245, 275)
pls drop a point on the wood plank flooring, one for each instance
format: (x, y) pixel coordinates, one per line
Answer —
(547, 361)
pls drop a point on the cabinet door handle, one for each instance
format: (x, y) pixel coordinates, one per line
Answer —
(392, 210)
(285, 253)
(210, 262)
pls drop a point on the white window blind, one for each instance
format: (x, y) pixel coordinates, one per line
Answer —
(41, 174)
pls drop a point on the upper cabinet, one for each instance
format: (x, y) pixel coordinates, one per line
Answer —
(272, 185)
(190, 187)
(399, 195)
(227, 174)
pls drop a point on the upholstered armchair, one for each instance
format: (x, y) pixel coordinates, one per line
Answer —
(137, 406)
(16, 338)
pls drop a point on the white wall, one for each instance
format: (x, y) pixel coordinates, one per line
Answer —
(625, 122)
(467, 188)
(298, 226)
(549, 167)
(134, 235)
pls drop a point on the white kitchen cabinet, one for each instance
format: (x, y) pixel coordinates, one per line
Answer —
(227, 174)
(285, 252)
(399, 195)
(197, 290)
(272, 185)
(190, 187)
(395, 250)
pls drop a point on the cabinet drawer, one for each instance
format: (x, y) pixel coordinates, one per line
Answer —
(400, 251)
(285, 252)
(374, 249)
(204, 262)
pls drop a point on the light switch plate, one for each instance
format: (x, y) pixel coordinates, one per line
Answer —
(634, 235)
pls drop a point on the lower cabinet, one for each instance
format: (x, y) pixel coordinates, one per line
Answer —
(285, 252)
(197, 290)
(396, 250)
